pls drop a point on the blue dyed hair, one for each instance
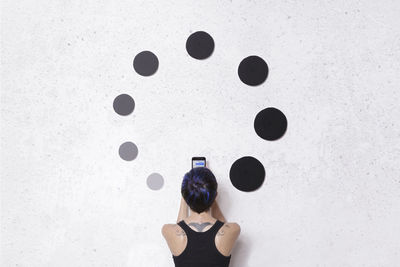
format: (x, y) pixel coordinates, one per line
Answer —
(199, 189)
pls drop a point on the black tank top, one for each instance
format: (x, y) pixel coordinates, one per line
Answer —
(201, 250)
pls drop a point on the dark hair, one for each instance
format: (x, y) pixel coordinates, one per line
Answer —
(199, 189)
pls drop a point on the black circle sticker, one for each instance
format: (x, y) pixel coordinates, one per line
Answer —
(247, 174)
(253, 70)
(200, 45)
(270, 124)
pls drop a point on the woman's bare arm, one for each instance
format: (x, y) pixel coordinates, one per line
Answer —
(216, 212)
(183, 211)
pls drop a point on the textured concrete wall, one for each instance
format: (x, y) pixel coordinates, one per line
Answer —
(332, 191)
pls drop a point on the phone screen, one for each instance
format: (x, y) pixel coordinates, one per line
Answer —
(198, 162)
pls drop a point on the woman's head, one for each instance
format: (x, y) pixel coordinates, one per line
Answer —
(199, 189)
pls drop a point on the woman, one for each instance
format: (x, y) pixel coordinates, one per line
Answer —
(204, 238)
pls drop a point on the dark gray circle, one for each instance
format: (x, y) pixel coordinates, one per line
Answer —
(155, 181)
(253, 70)
(270, 124)
(247, 174)
(128, 151)
(124, 104)
(145, 63)
(200, 45)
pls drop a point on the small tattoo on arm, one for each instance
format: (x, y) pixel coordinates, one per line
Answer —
(180, 232)
(221, 231)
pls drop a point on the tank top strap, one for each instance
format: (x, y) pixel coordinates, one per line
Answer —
(214, 230)
(185, 227)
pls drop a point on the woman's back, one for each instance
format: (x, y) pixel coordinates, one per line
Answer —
(202, 239)
(205, 246)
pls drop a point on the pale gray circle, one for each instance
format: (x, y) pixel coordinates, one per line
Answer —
(155, 181)
(128, 151)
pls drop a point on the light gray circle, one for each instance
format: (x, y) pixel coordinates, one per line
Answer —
(128, 151)
(155, 181)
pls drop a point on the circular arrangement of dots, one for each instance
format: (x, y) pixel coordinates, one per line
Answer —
(155, 181)
(270, 124)
(253, 70)
(128, 151)
(145, 63)
(200, 45)
(247, 174)
(124, 104)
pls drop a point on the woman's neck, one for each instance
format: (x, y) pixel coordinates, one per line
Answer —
(204, 216)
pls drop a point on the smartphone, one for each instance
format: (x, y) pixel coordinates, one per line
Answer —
(198, 162)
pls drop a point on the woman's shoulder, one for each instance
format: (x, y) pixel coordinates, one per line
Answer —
(232, 227)
(226, 237)
(171, 228)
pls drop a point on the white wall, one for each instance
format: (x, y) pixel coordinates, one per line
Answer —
(332, 190)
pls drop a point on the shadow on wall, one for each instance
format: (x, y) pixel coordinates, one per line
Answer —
(241, 252)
